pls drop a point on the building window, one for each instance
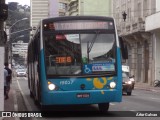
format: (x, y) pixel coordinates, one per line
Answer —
(61, 14)
(139, 9)
(129, 14)
(63, 6)
(145, 8)
(153, 6)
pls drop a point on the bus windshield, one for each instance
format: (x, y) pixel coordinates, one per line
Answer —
(79, 47)
(78, 54)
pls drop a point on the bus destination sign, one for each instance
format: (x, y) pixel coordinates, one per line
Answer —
(80, 25)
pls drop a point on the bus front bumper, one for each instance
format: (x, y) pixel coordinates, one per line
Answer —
(81, 97)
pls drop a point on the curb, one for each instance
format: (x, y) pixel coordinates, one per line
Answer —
(15, 103)
(147, 89)
(25, 101)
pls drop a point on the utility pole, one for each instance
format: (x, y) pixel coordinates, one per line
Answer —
(3, 17)
(8, 47)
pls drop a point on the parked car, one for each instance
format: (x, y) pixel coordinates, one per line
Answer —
(133, 81)
(126, 70)
(126, 84)
(21, 73)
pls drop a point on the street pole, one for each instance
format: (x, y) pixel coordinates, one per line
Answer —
(10, 42)
(2, 62)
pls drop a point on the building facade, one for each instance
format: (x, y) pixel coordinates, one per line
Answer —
(153, 26)
(90, 7)
(41, 9)
(20, 48)
(19, 52)
(138, 41)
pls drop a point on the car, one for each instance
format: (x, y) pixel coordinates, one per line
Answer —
(126, 84)
(133, 81)
(126, 70)
(21, 73)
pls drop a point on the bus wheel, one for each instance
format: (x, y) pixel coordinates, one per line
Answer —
(103, 107)
(44, 111)
(129, 93)
(35, 98)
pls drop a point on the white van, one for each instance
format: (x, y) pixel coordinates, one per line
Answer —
(125, 68)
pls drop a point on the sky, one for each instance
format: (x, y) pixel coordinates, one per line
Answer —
(21, 2)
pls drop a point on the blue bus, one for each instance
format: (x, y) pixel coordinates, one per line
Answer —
(75, 60)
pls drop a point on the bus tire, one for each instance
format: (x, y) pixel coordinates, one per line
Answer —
(103, 107)
(44, 111)
(36, 102)
(129, 93)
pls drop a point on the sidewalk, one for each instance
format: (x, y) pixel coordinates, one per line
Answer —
(11, 104)
(145, 86)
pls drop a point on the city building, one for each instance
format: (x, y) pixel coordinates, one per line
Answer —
(153, 26)
(53, 8)
(138, 41)
(19, 52)
(20, 49)
(89, 7)
(41, 9)
(58, 7)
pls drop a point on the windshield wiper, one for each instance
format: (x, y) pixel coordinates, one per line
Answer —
(90, 45)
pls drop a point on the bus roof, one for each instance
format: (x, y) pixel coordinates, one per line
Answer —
(63, 18)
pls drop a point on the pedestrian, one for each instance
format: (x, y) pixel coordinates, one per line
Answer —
(5, 84)
(9, 78)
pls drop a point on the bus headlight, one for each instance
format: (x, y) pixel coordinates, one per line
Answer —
(51, 86)
(112, 85)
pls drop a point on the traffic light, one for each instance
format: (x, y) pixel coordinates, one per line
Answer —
(3, 12)
(124, 15)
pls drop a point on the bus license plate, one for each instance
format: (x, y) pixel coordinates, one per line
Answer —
(83, 95)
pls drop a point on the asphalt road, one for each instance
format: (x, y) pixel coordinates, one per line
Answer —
(135, 104)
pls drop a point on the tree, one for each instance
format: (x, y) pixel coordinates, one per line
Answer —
(12, 6)
(14, 15)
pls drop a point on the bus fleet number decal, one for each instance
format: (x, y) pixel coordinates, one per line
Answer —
(66, 82)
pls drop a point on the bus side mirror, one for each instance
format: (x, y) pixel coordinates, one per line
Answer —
(124, 49)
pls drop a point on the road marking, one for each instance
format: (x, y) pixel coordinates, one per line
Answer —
(154, 90)
(15, 104)
(112, 104)
(29, 108)
(155, 98)
(133, 110)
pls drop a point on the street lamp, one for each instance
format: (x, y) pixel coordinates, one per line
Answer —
(17, 38)
(9, 35)
(17, 22)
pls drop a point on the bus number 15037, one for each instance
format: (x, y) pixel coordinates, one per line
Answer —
(66, 82)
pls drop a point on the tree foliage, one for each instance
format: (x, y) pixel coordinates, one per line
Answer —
(17, 12)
